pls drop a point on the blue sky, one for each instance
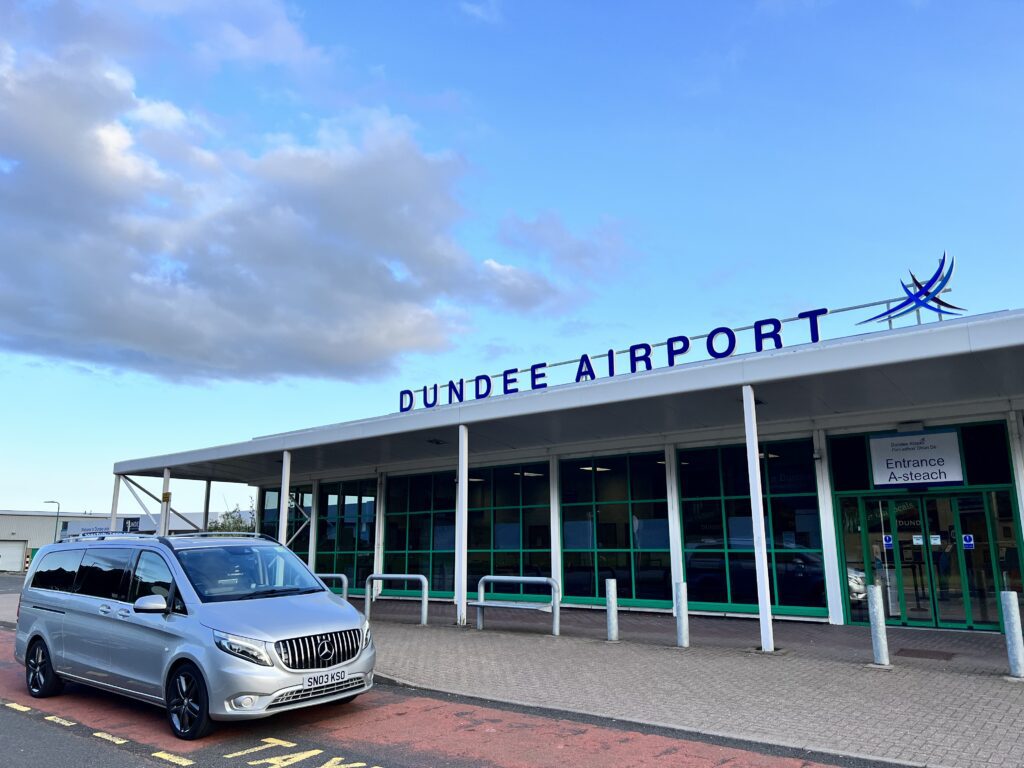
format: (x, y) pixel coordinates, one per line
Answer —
(228, 221)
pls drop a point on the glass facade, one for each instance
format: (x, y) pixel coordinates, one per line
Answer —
(717, 529)
(346, 530)
(615, 525)
(509, 529)
(300, 510)
(940, 554)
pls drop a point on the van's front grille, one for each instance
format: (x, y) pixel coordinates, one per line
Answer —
(304, 694)
(319, 651)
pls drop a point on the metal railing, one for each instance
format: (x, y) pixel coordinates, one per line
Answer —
(555, 597)
(368, 601)
(344, 582)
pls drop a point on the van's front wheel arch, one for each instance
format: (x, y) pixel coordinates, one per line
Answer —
(188, 702)
(40, 677)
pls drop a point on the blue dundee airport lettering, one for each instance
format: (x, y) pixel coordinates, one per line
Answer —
(720, 343)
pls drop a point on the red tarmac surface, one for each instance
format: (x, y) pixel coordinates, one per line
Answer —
(387, 727)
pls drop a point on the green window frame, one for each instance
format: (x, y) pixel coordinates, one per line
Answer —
(614, 519)
(978, 471)
(719, 567)
(346, 530)
(300, 499)
(508, 528)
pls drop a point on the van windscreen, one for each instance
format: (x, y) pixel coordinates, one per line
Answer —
(243, 572)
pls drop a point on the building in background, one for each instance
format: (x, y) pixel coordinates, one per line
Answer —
(22, 532)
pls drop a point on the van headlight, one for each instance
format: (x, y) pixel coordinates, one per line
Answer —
(366, 632)
(243, 647)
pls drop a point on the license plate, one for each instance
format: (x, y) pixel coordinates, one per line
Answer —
(322, 678)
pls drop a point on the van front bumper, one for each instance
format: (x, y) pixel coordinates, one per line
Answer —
(241, 690)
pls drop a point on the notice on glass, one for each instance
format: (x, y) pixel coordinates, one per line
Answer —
(916, 458)
(918, 540)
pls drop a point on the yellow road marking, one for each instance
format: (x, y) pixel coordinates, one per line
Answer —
(267, 744)
(336, 762)
(282, 761)
(110, 737)
(176, 759)
(59, 720)
(19, 707)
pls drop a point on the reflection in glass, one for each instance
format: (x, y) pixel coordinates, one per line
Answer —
(615, 565)
(578, 574)
(795, 522)
(702, 523)
(650, 525)
(705, 576)
(647, 476)
(577, 527)
(506, 529)
(613, 526)
(653, 575)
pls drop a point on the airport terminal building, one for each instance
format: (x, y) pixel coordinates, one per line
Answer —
(780, 481)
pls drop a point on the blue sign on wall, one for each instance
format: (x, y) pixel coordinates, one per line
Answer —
(719, 342)
(887, 541)
(968, 541)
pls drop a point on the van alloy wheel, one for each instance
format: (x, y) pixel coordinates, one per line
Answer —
(40, 678)
(187, 704)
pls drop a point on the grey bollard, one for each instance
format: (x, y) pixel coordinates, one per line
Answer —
(1011, 626)
(681, 602)
(879, 641)
(611, 594)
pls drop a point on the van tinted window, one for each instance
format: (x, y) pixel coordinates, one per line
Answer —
(101, 574)
(57, 570)
(153, 577)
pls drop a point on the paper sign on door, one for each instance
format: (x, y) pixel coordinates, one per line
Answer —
(918, 540)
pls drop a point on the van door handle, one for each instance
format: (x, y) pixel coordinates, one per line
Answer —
(104, 609)
(124, 613)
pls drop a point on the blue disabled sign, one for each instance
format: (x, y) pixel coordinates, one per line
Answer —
(968, 541)
(887, 541)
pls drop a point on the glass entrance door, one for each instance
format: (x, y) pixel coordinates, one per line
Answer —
(932, 555)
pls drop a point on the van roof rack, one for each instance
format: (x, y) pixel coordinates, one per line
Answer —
(224, 535)
(101, 535)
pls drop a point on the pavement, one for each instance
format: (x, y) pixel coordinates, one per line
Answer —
(945, 702)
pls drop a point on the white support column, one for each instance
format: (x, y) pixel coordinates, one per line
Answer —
(675, 533)
(1015, 424)
(555, 496)
(113, 503)
(206, 506)
(286, 484)
(462, 527)
(311, 559)
(757, 514)
(826, 515)
(165, 505)
(380, 510)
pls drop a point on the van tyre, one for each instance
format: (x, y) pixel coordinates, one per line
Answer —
(188, 703)
(40, 677)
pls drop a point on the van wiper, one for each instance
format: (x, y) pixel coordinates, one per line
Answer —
(275, 591)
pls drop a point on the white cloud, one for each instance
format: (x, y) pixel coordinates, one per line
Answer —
(159, 114)
(147, 250)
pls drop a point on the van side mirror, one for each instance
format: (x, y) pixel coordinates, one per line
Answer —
(150, 604)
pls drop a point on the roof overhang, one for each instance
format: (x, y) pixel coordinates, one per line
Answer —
(970, 359)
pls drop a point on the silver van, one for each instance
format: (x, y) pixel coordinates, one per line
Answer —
(208, 626)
